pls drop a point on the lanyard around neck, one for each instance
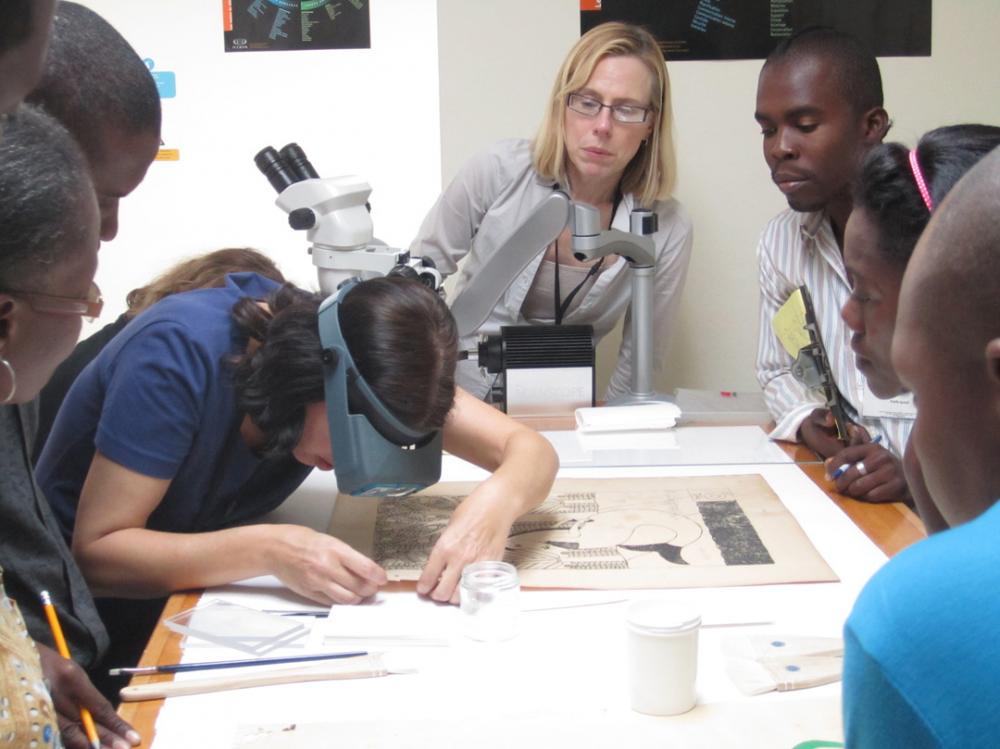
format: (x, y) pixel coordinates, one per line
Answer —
(562, 305)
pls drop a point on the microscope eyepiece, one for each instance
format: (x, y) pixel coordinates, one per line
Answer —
(297, 162)
(274, 168)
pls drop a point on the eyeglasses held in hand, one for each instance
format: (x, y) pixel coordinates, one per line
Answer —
(89, 308)
(590, 107)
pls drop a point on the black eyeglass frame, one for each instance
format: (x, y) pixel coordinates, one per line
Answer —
(616, 109)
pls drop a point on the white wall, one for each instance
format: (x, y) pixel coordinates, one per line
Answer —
(444, 79)
(369, 112)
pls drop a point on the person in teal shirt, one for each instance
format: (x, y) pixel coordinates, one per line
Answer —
(922, 664)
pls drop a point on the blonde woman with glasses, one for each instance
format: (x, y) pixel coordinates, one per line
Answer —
(605, 139)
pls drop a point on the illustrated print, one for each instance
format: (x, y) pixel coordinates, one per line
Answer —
(666, 532)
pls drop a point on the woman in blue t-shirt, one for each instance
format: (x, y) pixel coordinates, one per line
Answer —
(208, 410)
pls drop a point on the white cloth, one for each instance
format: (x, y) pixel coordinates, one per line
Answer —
(799, 249)
(649, 416)
(491, 196)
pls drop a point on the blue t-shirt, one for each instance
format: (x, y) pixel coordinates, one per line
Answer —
(159, 400)
(922, 651)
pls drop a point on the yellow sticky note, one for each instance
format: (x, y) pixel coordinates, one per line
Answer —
(789, 324)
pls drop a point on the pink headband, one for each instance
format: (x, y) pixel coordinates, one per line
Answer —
(918, 177)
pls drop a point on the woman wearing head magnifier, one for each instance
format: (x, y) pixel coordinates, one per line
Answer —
(210, 408)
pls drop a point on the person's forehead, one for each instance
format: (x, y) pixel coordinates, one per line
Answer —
(801, 82)
(621, 70)
(862, 253)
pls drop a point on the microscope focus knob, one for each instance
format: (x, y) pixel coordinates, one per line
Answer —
(301, 219)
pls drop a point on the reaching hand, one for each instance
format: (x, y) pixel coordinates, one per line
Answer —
(322, 567)
(477, 531)
(71, 690)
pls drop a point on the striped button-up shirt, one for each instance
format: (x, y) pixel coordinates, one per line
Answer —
(799, 249)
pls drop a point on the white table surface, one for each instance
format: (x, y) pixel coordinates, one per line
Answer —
(562, 680)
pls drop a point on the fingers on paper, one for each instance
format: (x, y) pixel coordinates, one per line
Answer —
(356, 577)
(440, 577)
(336, 573)
(431, 573)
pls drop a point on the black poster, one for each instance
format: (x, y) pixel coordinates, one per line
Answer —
(268, 25)
(750, 29)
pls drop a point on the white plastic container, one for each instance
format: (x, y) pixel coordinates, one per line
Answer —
(490, 600)
(662, 657)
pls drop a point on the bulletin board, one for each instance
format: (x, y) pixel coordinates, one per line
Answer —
(750, 29)
(279, 25)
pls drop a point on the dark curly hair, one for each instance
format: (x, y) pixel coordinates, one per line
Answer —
(887, 191)
(402, 338)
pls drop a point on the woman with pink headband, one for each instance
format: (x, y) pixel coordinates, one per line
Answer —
(894, 197)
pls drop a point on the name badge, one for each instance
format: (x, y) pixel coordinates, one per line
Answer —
(899, 407)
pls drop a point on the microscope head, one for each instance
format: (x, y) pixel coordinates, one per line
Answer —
(333, 211)
(335, 215)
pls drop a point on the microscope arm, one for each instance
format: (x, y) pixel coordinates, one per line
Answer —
(473, 305)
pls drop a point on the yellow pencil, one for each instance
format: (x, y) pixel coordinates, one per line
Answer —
(57, 634)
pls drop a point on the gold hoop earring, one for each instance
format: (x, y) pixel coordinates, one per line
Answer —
(13, 381)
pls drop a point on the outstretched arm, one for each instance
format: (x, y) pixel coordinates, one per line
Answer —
(119, 556)
(524, 466)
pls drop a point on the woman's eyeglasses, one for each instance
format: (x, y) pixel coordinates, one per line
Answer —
(89, 308)
(589, 107)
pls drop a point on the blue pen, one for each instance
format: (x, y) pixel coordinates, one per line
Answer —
(847, 466)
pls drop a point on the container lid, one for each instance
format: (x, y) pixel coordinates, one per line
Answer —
(662, 617)
(490, 575)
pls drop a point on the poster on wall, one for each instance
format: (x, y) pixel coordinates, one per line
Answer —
(280, 25)
(166, 87)
(750, 29)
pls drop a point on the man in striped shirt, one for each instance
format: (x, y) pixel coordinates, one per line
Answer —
(819, 105)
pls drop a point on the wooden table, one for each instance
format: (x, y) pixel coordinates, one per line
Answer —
(891, 526)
